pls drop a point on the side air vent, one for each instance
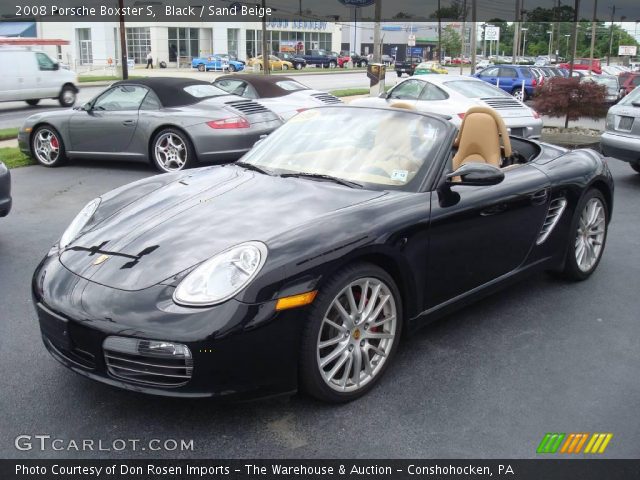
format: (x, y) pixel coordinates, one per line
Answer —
(326, 98)
(556, 208)
(148, 362)
(248, 107)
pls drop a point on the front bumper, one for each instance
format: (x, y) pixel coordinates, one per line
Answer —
(238, 350)
(23, 142)
(5, 190)
(622, 147)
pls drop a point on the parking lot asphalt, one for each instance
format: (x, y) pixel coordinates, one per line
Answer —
(486, 382)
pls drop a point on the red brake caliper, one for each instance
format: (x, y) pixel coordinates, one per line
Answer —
(54, 142)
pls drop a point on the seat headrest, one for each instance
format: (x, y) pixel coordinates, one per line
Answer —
(502, 128)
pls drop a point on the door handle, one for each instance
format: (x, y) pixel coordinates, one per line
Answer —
(540, 197)
(129, 123)
(494, 210)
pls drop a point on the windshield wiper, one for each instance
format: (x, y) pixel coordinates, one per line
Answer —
(340, 181)
(255, 168)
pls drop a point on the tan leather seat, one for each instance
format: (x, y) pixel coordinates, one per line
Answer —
(404, 105)
(483, 138)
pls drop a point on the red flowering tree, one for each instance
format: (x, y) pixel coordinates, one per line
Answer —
(570, 98)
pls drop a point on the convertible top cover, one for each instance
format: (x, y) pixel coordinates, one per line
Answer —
(169, 90)
(266, 85)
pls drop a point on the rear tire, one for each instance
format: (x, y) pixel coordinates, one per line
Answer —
(588, 236)
(201, 68)
(636, 167)
(519, 94)
(359, 346)
(47, 147)
(172, 151)
(332, 64)
(33, 102)
(232, 68)
(67, 96)
(285, 67)
(298, 66)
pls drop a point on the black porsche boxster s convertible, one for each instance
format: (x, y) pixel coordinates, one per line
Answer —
(302, 264)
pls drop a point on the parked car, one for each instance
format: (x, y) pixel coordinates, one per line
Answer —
(214, 62)
(5, 190)
(407, 66)
(511, 79)
(629, 81)
(584, 64)
(172, 122)
(343, 59)
(387, 59)
(614, 90)
(321, 58)
(359, 60)
(621, 138)
(301, 266)
(426, 68)
(275, 63)
(296, 60)
(482, 64)
(282, 95)
(453, 95)
(31, 76)
(229, 57)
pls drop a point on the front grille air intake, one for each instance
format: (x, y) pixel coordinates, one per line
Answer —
(248, 107)
(326, 98)
(556, 207)
(148, 362)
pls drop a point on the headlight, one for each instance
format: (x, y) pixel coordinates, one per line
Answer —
(609, 122)
(79, 222)
(222, 276)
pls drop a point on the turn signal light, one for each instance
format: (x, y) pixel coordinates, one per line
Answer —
(294, 301)
(227, 123)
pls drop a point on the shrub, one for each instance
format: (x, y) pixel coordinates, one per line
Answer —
(570, 98)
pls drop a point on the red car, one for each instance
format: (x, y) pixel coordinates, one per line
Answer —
(342, 58)
(583, 64)
(629, 81)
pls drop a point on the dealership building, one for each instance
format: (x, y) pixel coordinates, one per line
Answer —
(177, 43)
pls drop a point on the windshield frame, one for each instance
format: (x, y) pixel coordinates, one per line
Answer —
(424, 176)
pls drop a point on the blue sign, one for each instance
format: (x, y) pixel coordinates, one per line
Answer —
(357, 3)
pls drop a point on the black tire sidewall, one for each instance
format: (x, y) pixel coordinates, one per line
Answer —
(232, 68)
(61, 97)
(571, 269)
(311, 380)
(187, 141)
(62, 155)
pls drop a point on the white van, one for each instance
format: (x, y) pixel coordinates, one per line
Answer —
(32, 75)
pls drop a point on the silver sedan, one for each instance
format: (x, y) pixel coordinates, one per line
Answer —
(453, 95)
(173, 122)
(621, 138)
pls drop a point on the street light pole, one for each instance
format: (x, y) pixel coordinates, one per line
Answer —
(524, 41)
(550, 32)
(613, 13)
(593, 36)
(474, 35)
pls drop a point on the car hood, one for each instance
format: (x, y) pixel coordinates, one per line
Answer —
(189, 220)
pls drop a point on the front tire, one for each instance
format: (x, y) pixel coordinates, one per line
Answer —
(201, 68)
(67, 96)
(332, 64)
(298, 66)
(47, 147)
(172, 151)
(352, 333)
(232, 68)
(588, 236)
(285, 67)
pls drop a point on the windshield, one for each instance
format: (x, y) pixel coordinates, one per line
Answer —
(383, 148)
(204, 91)
(634, 96)
(473, 89)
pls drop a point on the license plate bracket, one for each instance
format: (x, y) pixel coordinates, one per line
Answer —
(54, 327)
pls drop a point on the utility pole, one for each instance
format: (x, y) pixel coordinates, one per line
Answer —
(474, 35)
(123, 42)
(593, 35)
(613, 13)
(516, 32)
(377, 53)
(556, 17)
(574, 39)
(265, 47)
(440, 59)
(464, 33)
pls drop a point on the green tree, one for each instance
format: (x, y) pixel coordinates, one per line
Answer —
(451, 41)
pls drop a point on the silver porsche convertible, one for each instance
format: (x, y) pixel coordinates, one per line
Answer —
(172, 122)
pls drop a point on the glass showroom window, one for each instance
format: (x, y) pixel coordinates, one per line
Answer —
(184, 43)
(254, 43)
(138, 43)
(85, 50)
(232, 41)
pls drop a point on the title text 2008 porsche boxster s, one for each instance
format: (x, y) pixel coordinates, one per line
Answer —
(302, 264)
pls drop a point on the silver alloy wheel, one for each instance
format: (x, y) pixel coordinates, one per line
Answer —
(46, 146)
(519, 95)
(171, 152)
(590, 234)
(68, 96)
(357, 334)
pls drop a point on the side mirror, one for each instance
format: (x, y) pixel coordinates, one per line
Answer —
(383, 95)
(87, 107)
(476, 174)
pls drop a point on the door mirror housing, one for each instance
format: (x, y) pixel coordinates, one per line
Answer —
(87, 107)
(476, 174)
(383, 95)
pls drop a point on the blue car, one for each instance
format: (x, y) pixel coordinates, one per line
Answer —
(511, 79)
(204, 64)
